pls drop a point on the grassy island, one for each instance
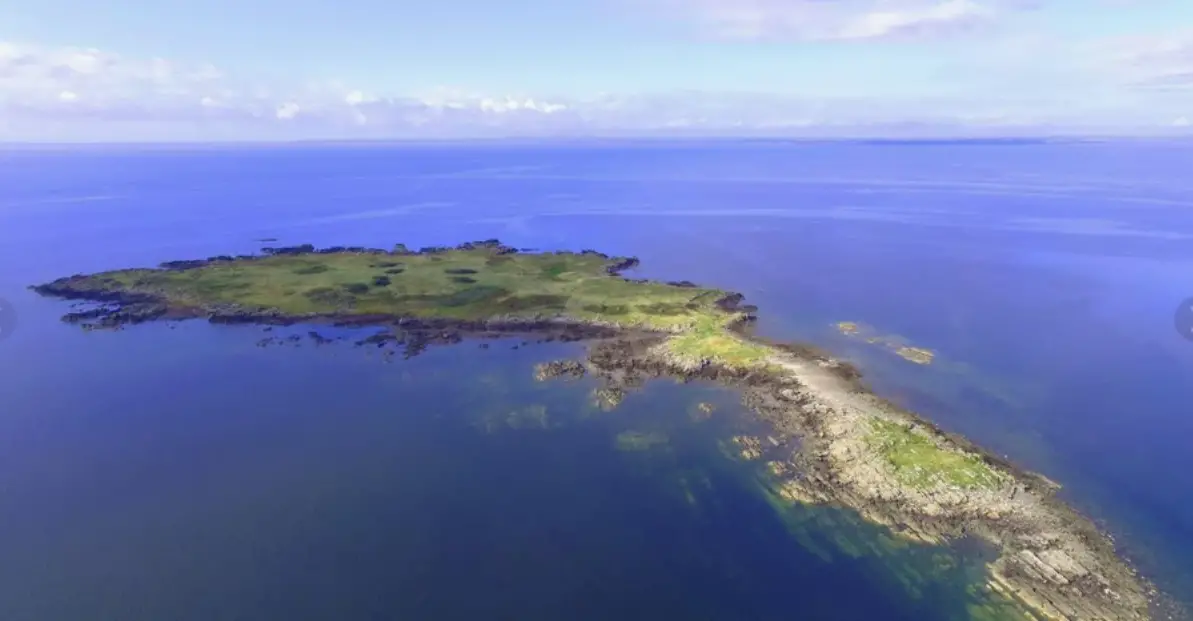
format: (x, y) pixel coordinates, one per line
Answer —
(483, 281)
(831, 441)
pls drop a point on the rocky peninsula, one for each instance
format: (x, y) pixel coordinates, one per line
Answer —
(831, 440)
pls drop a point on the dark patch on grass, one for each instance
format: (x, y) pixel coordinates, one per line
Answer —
(381, 281)
(463, 279)
(473, 295)
(357, 288)
(314, 268)
(480, 295)
(329, 296)
(663, 309)
(221, 287)
(395, 270)
(607, 309)
(554, 269)
(459, 270)
(386, 264)
(517, 303)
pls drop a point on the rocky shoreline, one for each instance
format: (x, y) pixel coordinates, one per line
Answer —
(1052, 559)
(821, 449)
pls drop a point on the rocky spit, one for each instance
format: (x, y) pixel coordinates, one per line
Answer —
(1052, 559)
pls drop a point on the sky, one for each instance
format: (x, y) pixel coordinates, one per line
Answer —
(195, 70)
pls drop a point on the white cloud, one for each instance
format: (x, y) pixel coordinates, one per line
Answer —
(355, 98)
(31, 74)
(1159, 62)
(449, 98)
(835, 19)
(513, 104)
(78, 92)
(446, 97)
(288, 110)
(1181, 122)
(44, 85)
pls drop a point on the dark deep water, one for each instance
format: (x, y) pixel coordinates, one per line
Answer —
(185, 473)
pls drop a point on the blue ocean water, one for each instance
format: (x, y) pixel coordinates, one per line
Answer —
(1044, 275)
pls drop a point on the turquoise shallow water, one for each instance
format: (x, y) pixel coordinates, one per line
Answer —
(1045, 276)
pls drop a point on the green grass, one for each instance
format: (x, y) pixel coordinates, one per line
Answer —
(708, 339)
(470, 284)
(919, 462)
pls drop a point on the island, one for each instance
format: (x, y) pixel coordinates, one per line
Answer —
(830, 439)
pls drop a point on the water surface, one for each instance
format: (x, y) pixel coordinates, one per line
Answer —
(303, 482)
(143, 469)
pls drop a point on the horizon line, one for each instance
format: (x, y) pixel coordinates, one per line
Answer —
(1008, 139)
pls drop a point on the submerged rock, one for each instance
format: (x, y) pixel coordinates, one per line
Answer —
(749, 447)
(640, 440)
(895, 344)
(608, 399)
(559, 368)
(703, 410)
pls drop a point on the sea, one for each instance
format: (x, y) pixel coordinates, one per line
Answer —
(185, 472)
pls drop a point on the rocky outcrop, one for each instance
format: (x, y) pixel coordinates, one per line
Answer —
(569, 369)
(288, 250)
(1050, 558)
(608, 398)
(622, 264)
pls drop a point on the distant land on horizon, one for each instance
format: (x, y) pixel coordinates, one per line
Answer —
(641, 141)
